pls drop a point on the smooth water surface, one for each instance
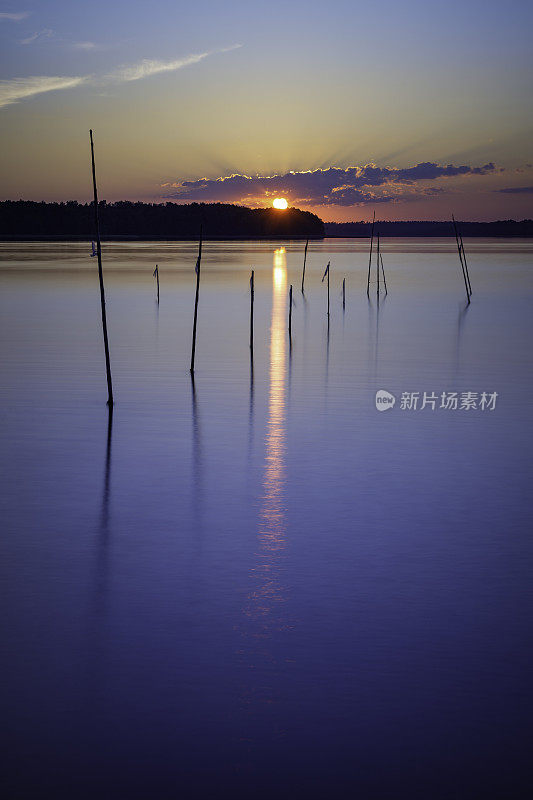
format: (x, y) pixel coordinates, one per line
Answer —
(256, 584)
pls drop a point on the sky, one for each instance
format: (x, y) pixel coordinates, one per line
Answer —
(412, 109)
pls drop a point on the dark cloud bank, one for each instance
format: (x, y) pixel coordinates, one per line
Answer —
(332, 186)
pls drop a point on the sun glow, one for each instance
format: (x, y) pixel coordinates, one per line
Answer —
(280, 203)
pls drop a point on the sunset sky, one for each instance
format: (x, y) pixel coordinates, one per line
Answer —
(416, 109)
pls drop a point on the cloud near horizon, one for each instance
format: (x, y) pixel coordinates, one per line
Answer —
(516, 190)
(331, 186)
(15, 89)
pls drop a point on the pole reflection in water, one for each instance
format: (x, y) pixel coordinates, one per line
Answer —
(265, 604)
(103, 540)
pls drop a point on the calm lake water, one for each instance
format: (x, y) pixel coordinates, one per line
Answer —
(259, 584)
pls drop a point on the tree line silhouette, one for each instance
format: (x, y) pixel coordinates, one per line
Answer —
(26, 218)
(507, 227)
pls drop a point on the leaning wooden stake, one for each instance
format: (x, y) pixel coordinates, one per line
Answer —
(343, 293)
(156, 275)
(101, 279)
(370, 256)
(290, 311)
(461, 260)
(197, 268)
(466, 265)
(383, 273)
(305, 259)
(252, 311)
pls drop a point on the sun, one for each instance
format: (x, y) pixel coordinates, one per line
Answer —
(280, 203)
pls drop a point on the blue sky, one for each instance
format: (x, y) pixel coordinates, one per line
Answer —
(180, 92)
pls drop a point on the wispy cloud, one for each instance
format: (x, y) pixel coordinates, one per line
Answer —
(16, 17)
(147, 67)
(84, 45)
(11, 91)
(46, 33)
(356, 185)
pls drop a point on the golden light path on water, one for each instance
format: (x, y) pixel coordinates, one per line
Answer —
(265, 604)
(271, 533)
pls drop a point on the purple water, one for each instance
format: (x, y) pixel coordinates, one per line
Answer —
(258, 584)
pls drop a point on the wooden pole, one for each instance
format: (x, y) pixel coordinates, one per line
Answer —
(198, 265)
(305, 259)
(461, 260)
(101, 279)
(343, 293)
(383, 273)
(466, 265)
(370, 256)
(156, 273)
(377, 268)
(290, 311)
(328, 291)
(252, 311)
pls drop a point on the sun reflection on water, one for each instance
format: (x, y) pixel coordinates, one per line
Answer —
(269, 590)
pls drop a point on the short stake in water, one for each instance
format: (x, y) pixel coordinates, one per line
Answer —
(252, 311)
(290, 311)
(343, 293)
(156, 275)
(370, 256)
(305, 259)
(101, 279)
(326, 274)
(197, 270)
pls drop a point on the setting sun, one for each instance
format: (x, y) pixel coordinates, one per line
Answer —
(280, 203)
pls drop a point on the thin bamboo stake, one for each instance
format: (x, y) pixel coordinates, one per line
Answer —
(370, 256)
(156, 275)
(328, 290)
(198, 265)
(343, 293)
(290, 311)
(101, 279)
(252, 310)
(305, 259)
(461, 260)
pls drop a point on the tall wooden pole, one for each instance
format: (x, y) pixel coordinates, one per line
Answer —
(305, 259)
(252, 310)
(290, 311)
(101, 279)
(343, 293)
(198, 265)
(370, 256)
(461, 260)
